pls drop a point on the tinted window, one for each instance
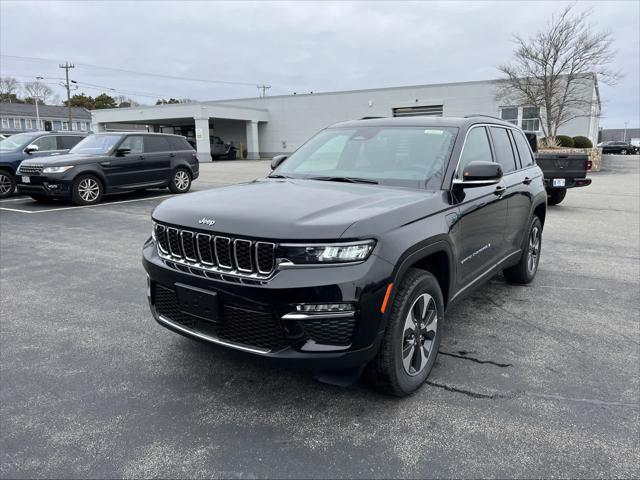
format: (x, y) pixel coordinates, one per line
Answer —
(133, 143)
(476, 149)
(68, 142)
(45, 144)
(504, 152)
(156, 144)
(178, 143)
(526, 158)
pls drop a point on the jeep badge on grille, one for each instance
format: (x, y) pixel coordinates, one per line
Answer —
(206, 221)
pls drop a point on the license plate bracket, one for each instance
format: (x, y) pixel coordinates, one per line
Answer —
(559, 182)
(198, 302)
(26, 179)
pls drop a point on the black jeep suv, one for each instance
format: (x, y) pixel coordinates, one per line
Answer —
(107, 163)
(350, 252)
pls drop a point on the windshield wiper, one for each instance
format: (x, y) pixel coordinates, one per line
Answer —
(345, 179)
(277, 175)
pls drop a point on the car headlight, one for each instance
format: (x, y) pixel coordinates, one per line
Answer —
(329, 253)
(56, 169)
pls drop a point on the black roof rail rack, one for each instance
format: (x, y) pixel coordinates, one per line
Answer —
(370, 118)
(471, 115)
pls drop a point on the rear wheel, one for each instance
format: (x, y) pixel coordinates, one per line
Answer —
(86, 190)
(556, 196)
(180, 181)
(412, 338)
(7, 184)
(623, 151)
(525, 270)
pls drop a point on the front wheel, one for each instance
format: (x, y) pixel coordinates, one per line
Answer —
(525, 270)
(623, 151)
(556, 196)
(180, 181)
(412, 337)
(7, 184)
(86, 190)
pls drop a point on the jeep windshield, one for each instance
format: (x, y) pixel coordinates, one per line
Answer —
(399, 156)
(96, 145)
(16, 142)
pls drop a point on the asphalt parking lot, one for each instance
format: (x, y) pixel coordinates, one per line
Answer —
(535, 381)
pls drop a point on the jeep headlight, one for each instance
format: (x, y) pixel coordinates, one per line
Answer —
(327, 253)
(57, 169)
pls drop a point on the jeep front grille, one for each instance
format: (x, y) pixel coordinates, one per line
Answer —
(217, 253)
(33, 169)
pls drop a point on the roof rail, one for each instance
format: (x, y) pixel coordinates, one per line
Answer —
(370, 118)
(471, 115)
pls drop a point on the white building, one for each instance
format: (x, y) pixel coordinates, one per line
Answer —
(269, 126)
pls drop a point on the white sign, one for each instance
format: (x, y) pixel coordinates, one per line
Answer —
(199, 135)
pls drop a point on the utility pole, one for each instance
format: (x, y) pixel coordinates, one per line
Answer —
(624, 139)
(35, 99)
(67, 67)
(264, 89)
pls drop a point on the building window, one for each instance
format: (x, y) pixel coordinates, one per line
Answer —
(28, 124)
(83, 126)
(530, 119)
(5, 123)
(509, 114)
(17, 124)
(65, 125)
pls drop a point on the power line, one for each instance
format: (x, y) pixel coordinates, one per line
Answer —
(134, 72)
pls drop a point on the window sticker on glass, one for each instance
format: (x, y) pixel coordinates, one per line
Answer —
(433, 132)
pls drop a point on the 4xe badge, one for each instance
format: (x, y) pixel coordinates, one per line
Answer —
(206, 221)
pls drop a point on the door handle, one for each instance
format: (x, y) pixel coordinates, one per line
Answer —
(105, 164)
(141, 157)
(500, 190)
(526, 180)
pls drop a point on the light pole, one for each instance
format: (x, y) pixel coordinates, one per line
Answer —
(624, 138)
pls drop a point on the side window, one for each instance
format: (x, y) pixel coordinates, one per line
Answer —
(68, 142)
(46, 144)
(476, 149)
(156, 144)
(526, 158)
(133, 143)
(178, 143)
(504, 151)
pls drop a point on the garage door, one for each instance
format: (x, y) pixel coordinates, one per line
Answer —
(428, 110)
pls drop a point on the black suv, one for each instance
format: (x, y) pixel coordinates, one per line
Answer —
(348, 254)
(107, 163)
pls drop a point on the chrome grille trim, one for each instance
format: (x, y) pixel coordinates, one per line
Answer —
(31, 169)
(235, 255)
(202, 260)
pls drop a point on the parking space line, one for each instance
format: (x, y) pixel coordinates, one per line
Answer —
(12, 199)
(84, 206)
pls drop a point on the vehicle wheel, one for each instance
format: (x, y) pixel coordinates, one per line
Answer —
(412, 337)
(525, 270)
(86, 190)
(623, 151)
(232, 154)
(556, 196)
(7, 184)
(181, 181)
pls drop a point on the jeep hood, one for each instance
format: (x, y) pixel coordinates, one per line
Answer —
(293, 209)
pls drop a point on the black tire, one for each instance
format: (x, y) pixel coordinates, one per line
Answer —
(7, 184)
(232, 154)
(389, 369)
(525, 270)
(180, 181)
(556, 196)
(87, 190)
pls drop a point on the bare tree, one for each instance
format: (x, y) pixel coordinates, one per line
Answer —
(38, 90)
(557, 69)
(125, 102)
(8, 89)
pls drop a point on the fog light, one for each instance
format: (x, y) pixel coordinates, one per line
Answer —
(53, 186)
(325, 307)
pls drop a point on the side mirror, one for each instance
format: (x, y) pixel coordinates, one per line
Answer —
(277, 160)
(31, 148)
(479, 174)
(121, 152)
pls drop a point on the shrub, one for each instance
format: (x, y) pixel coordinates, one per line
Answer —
(565, 141)
(582, 142)
(549, 142)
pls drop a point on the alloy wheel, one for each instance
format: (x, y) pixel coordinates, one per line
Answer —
(5, 184)
(420, 329)
(181, 180)
(534, 249)
(88, 189)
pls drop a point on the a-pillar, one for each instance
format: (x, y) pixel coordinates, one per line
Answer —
(203, 143)
(253, 148)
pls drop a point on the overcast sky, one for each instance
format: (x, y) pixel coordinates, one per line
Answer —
(298, 47)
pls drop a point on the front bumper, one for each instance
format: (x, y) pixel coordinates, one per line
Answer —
(45, 186)
(256, 318)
